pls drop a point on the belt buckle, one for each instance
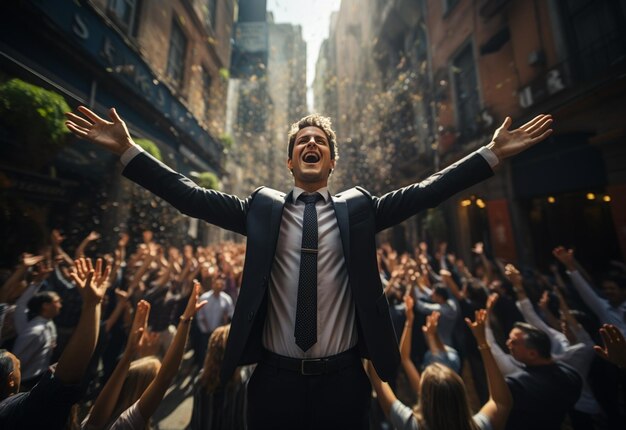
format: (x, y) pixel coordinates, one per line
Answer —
(304, 372)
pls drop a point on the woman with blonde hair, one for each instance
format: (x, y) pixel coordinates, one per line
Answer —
(442, 399)
(217, 405)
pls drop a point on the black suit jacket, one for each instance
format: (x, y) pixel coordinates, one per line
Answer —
(359, 217)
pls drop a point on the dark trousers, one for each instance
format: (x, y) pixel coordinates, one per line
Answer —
(286, 399)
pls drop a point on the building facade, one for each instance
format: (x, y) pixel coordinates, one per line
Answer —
(163, 65)
(441, 75)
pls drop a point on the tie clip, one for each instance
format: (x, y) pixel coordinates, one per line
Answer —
(309, 250)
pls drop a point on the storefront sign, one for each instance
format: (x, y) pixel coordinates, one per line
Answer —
(551, 83)
(109, 49)
(33, 186)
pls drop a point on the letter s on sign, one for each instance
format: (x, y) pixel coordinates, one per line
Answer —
(79, 27)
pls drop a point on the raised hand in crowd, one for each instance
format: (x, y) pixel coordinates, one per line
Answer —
(614, 349)
(104, 405)
(15, 285)
(405, 344)
(49, 402)
(429, 329)
(92, 284)
(609, 310)
(56, 239)
(43, 269)
(448, 280)
(566, 257)
(500, 400)
(548, 316)
(150, 399)
(91, 237)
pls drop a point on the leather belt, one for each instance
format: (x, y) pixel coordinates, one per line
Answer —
(313, 366)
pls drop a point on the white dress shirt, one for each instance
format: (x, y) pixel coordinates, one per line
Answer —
(34, 346)
(218, 309)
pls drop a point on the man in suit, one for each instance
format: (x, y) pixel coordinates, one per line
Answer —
(308, 343)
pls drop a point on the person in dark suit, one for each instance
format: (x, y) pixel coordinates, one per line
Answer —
(311, 303)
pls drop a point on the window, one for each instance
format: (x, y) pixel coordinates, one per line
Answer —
(123, 13)
(206, 90)
(466, 92)
(595, 34)
(212, 15)
(176, 55)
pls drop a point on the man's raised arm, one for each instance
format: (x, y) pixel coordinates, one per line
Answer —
(398, 205)
(217, 208)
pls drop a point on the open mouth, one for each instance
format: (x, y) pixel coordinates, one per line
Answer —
(311, 157)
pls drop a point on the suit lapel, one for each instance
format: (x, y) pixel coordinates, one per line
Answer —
(276, 215)
(341, 212)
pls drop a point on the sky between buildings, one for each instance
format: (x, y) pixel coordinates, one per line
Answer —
(314, 17)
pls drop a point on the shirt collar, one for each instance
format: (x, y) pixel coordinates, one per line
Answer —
(297, 191)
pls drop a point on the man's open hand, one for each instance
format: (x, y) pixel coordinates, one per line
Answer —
(112, 136)
(506, 143)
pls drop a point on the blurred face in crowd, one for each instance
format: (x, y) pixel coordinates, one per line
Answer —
(614, 294)
(52, 309)
(311, 161)
(517, 346)
(437, 298)
(147, 236)
(218, 285)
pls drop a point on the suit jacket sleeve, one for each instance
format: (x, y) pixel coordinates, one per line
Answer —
(398, 205)
(217, 208)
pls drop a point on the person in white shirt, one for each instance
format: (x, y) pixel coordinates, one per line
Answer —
(218, 311)
(609, 310)
(36, 342)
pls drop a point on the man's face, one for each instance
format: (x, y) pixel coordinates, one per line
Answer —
(614, 294)
(517, 346)
(218, 285)
(311, 160)
(52, 309)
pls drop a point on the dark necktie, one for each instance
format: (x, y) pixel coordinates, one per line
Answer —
(306, 310)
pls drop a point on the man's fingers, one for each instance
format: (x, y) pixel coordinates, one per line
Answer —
(543, 136)
(91, 115)
(539, 129)
(114, 116)
(79, 131)
(506, 124)
(78, 120)
(530, 124)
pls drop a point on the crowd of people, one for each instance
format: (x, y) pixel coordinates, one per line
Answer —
(95, 340)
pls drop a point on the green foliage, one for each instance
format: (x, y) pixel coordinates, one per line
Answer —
(34, 114)
(207, 180)
(150, 147)
(224, 73)
(226, 140)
